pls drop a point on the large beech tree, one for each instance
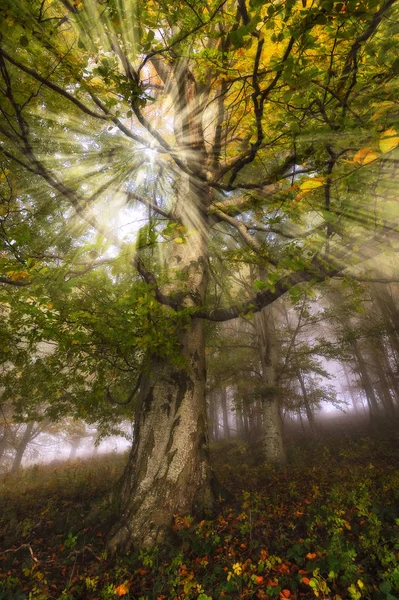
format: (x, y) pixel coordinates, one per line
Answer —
(245, 132)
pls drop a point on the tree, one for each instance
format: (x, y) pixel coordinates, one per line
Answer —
(214, 119)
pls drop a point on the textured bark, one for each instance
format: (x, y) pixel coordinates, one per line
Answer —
(167, 472)
(273, 446)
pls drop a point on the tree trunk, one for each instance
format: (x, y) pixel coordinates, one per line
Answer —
(308, 408)
(239, 418)
(22, 447)
(273, 446)
(350, 391)
(168, 470)
(365, 379)
(4, 441)
(383, 388)
(272, 439)
(301, 420)
(75, 443)
(223, 399)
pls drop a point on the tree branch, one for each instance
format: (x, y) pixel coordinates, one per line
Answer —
(52, 86)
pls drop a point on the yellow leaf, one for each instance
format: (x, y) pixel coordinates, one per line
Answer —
(360, 583)
(371, 156)
(75, 342)
(96, 82)
(389, 140)
(312, 183)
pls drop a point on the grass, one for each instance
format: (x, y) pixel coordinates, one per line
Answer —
(326, 526)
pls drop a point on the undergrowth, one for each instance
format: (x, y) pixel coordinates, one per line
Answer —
(326, 526)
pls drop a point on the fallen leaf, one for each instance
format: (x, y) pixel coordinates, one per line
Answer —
(121, 590)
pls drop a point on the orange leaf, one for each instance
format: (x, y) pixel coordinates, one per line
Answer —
(311, 555)
(285, 594)
(361, 154)
(305, 580)
(121, 590)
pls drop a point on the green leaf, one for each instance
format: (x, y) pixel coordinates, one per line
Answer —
(385, 587)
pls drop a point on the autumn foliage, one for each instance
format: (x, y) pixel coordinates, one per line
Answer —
(324, 527)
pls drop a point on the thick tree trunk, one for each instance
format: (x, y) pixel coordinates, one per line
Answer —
(167, 472)
(272, 439)
(273, 446)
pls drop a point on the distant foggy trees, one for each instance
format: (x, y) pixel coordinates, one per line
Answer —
(340, 347)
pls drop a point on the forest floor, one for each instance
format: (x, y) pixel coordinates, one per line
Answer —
(325, 526)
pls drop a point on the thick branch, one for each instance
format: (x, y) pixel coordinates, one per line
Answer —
(149, 278)
(16, 283)
(131, 395)
(241, 228)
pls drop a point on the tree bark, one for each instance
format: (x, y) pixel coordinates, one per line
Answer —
(167, 472)
(273, 446)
